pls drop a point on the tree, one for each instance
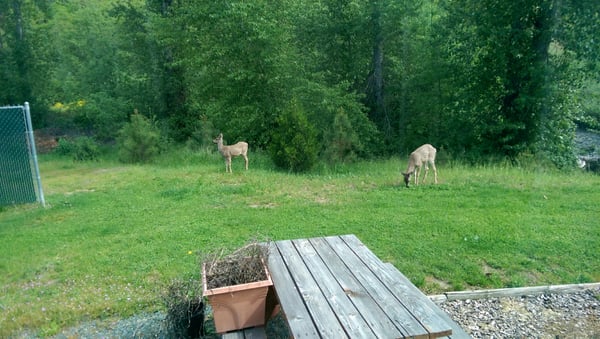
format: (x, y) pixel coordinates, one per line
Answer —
(22, 75)
(504, 73)
(374, 92)
(474, 77)
(334, 37)
(236, 62)
(400, 98)
(341, 141)
(83, 70)
(139, 60)
(138, 140)
(334, 40)
(575, 43)
(294, 143)
(15, 51)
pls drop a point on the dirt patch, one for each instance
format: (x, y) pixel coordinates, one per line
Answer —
(80, 191)
(263, 205)
(437, 284)
(45, 141)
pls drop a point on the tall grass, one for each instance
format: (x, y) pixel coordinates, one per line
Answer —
(115, 235)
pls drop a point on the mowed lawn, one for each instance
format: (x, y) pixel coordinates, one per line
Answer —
(114, 235)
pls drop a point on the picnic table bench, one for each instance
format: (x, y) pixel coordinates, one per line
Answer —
(335, 287)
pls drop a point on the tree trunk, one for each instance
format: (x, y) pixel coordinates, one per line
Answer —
(375, 90)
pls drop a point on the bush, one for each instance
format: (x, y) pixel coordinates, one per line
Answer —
(138, 140)
(294, 143)
(203, 135)
(80, 149)
(341, 141)
(329, 107)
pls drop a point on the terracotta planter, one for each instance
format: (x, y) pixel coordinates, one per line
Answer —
(239, 306)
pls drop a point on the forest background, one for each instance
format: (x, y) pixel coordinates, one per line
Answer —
(335, 80)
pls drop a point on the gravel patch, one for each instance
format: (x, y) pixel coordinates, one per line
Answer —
(546, 315)
(145, 325)
(139, 326)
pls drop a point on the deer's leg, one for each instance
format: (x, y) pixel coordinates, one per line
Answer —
(246, 160)
(425, 177)
(228, 165)
(417, 172)
(434, 172)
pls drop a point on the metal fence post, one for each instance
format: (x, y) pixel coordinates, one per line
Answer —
(34, 155)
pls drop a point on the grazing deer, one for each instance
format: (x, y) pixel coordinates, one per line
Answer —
(241, 148)
(423, 155)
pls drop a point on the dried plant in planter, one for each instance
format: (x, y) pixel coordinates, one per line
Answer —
(245, 265)
(239, 287)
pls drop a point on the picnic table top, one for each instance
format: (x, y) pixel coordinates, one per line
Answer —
(335, 287)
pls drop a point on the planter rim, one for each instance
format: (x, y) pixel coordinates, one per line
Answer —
(233, 288)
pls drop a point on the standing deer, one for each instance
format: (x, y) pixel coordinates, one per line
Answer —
(241, 148)
(423, 155)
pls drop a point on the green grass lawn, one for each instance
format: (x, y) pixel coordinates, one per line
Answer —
(113, 236)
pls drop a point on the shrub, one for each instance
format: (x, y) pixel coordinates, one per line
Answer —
(294, 143)
(138, 140)
(80, 149)
(202, 136)
(341, 141)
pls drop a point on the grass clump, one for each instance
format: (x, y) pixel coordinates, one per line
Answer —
(185, 308)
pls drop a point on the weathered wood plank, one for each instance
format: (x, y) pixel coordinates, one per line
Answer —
(322, 314)
(404, 320)
(417, 303)
(457, 331)
(296, 313)
(347, 313)
(375, 316)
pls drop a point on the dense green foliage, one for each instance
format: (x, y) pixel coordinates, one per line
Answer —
(114, 236)
(80, 149)
(478, 78)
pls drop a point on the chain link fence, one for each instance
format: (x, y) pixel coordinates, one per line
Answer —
(19, 174)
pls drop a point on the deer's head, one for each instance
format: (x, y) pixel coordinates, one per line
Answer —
(406, 178)
(218, 139)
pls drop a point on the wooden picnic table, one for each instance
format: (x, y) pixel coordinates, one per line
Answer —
(335, 287)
